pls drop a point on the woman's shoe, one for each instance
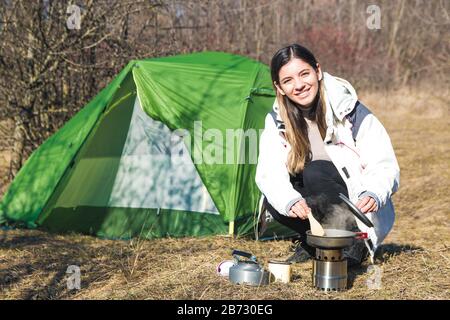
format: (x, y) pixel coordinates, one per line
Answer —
(302, 253)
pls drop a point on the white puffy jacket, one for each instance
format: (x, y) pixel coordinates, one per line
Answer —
(359, 147)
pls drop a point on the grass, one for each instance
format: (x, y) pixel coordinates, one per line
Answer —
(414, 260)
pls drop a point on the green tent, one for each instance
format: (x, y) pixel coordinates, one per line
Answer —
(163, 150)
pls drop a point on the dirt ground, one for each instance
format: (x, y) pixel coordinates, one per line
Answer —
(413, 262)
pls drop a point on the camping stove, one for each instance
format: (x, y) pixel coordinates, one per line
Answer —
(329, 270)
(329, 265)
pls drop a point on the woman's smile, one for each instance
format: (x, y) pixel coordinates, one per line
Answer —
(303, 94)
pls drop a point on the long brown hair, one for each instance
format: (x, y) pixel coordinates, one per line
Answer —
(290, 112)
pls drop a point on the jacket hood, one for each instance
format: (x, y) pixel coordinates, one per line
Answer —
(340, 96)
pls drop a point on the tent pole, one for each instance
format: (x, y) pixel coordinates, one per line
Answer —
(231, 228)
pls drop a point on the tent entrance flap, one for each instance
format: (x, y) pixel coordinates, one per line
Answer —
(156, 170)
(90, 177)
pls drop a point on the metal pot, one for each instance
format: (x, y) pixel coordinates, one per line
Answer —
(249, 271)
(334, 238)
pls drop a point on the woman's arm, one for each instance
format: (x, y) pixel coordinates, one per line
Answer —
(381, 173)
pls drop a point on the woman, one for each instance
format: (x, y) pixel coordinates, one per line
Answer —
(320, 141)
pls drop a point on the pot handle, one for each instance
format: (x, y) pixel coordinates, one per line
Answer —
(361, 235)
(236, 253)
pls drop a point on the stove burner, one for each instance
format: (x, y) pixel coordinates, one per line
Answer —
(329, 270)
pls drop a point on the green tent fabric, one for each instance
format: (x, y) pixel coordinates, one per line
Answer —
(111, 172)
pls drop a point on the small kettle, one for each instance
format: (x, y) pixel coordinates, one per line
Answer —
(248, 271)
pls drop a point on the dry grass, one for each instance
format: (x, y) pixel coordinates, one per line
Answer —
(415, 259)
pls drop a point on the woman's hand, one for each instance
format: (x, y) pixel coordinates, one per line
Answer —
(300, 210)
(367, 204)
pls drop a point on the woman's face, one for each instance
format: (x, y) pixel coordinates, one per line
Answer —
(299, 82)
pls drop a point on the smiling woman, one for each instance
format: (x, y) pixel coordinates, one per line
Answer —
(298, 91)
(320, 141)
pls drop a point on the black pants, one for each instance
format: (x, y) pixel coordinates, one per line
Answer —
(320, 184)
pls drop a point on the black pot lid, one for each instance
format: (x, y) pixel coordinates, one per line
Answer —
(361, 216)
